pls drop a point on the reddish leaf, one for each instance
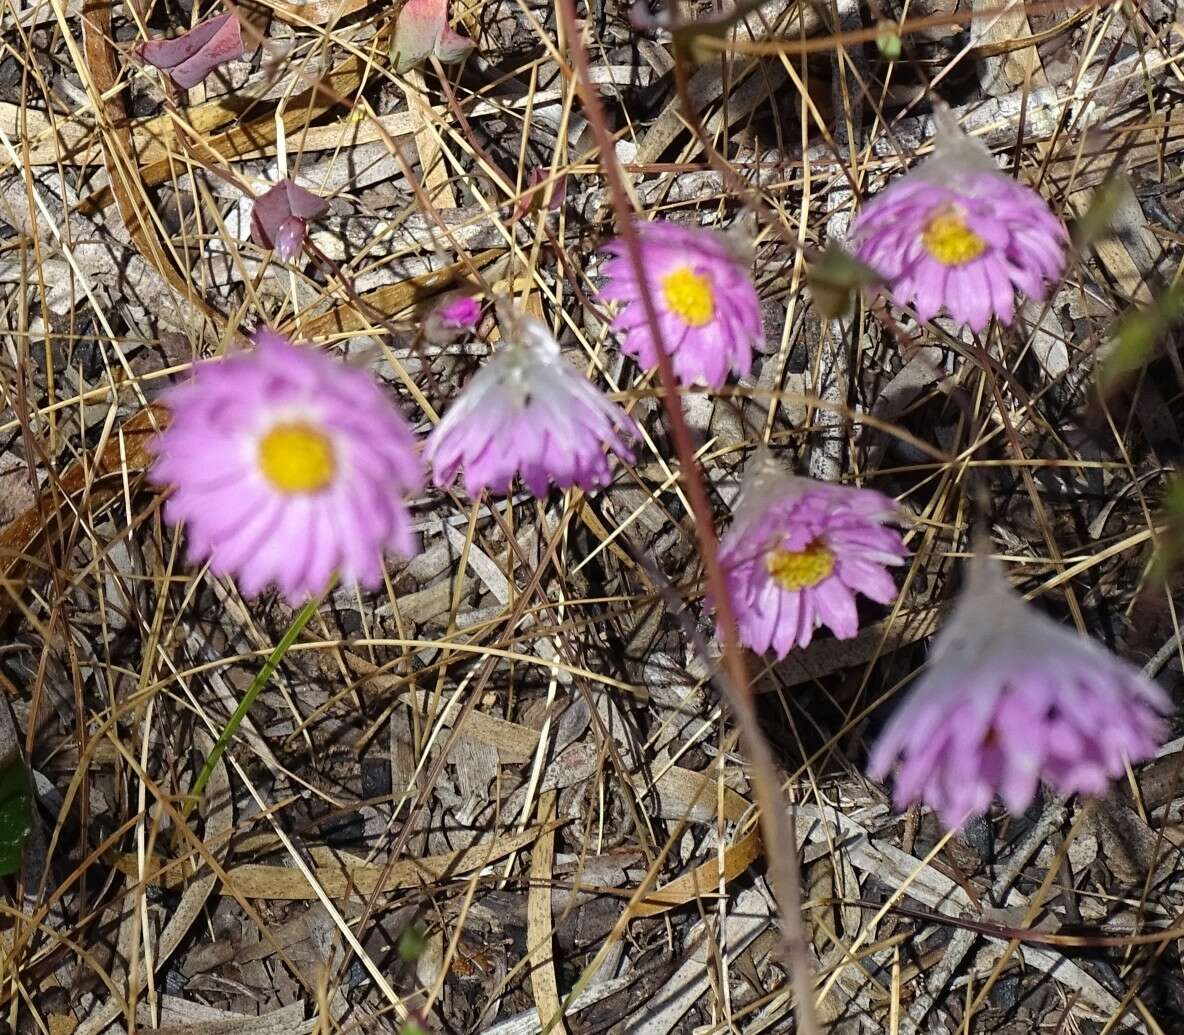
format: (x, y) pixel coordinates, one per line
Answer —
(278, 218)
(422, 29)
(192, 56)
(532, 201)
(452, 46)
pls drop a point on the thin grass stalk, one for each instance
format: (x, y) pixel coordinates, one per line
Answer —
(780, 842)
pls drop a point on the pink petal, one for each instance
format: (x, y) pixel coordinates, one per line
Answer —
(836, 607)
(462, 311)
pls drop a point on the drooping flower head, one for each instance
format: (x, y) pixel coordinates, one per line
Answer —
(957, 234)
(422, 29)
(1011, 698)
(529, 412)
(708, 310)
(798, 552)
(279, 218)
(288, 466)
(187, 59)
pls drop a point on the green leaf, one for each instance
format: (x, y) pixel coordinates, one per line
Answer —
(888, 41)
(834, 278)
(1134, 339)
(1173, 500)
(687, 36)
(1096, 221)
(16, 813)
(411, 943)
(1171, 543)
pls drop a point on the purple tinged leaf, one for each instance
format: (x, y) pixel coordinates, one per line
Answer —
(452, 46)
(279, 218)
(422, 29)
(532, 200)
(418, 24)
(303, 203)
(189, 58)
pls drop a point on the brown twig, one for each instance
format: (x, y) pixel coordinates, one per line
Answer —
(778, 835)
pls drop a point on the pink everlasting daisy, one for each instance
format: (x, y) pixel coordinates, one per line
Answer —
(279, 218)
(798, 552)
(708, 310)
(528, 412)
(957, 234)
(1011, 698)
(287, 467)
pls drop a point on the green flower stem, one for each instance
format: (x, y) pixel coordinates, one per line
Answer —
(265, 673)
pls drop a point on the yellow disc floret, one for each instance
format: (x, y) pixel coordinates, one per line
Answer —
(950, 241)
(689, 296)
(800, 569)
(297, 458)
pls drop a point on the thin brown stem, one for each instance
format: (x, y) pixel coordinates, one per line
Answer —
(780, 842)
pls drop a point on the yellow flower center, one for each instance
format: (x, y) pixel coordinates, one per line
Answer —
(297, 458)
(950, 241)
(689, 296)
(800, 569)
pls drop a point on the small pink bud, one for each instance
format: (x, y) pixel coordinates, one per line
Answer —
(463, 311)
(451, 318)
(289, 238)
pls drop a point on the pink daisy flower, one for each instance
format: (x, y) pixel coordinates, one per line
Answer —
(529, 412)
(957, 234)
(287, 467)
(798, 552)
(708, 309)
(279, 218)
(1011, 698)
